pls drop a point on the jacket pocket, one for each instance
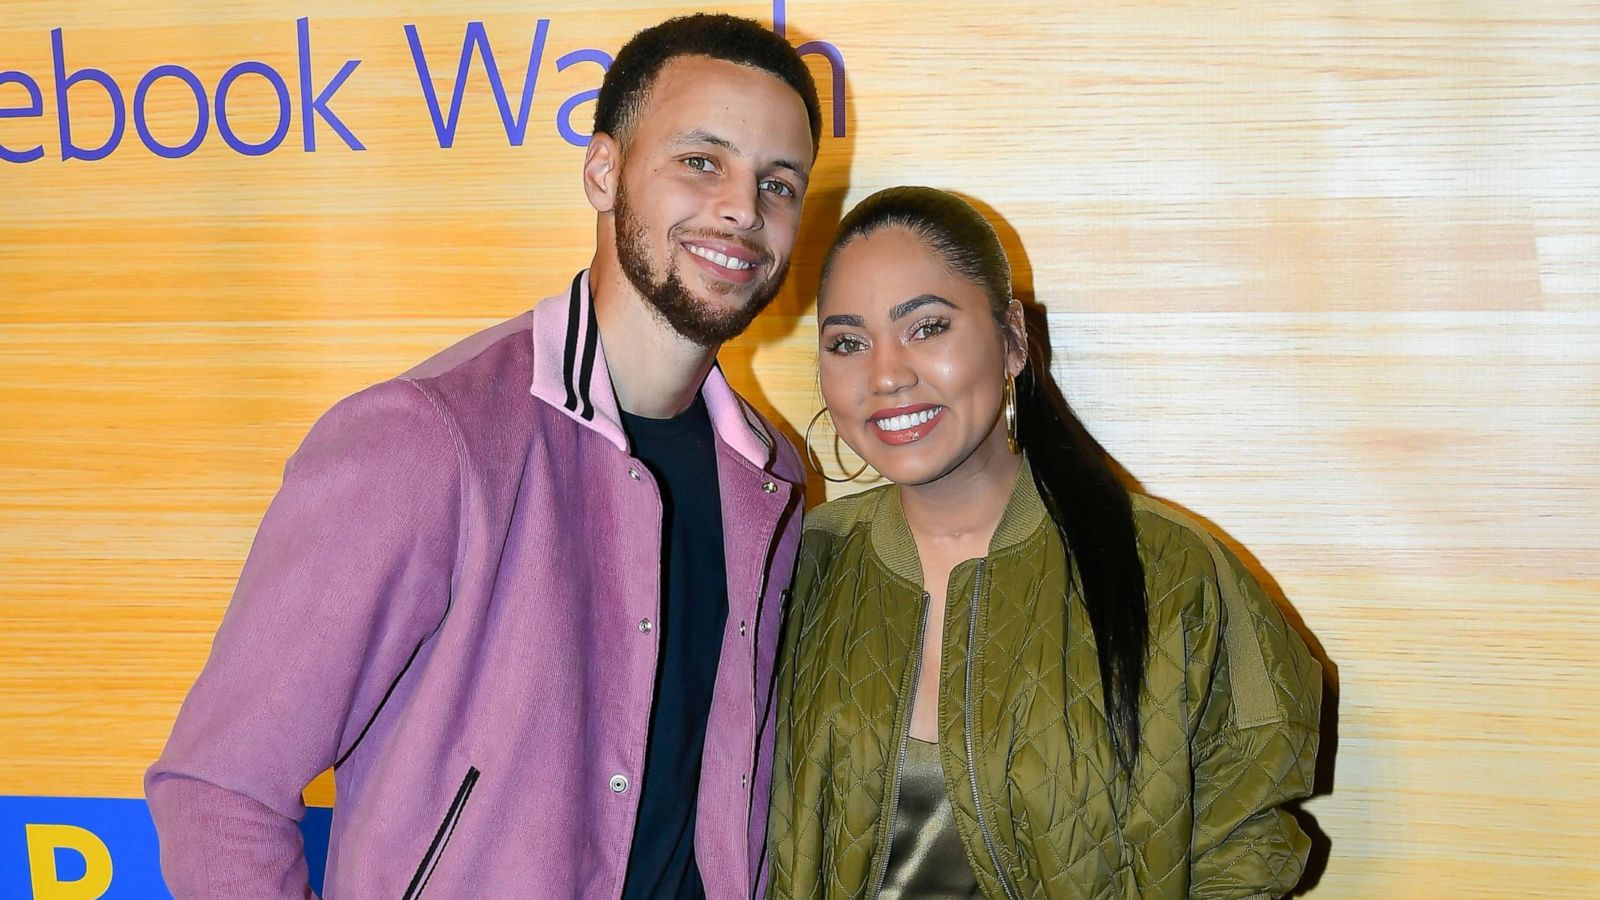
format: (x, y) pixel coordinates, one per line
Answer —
(430, 860)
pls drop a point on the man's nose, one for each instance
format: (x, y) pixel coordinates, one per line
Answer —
(739, 205)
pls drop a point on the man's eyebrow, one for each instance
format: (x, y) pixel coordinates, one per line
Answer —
(849, 320)
(796, 168)
(902, 310)
(701, 136)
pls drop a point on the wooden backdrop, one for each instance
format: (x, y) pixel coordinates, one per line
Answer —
(1325, 273)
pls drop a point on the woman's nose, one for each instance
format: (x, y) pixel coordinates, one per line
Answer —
(891, 372)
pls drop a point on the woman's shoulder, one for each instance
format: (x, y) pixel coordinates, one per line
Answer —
(1167, 533)
(834, 534)
(837, 532)
(837, 518)
(1274, 678)
(1176, 549)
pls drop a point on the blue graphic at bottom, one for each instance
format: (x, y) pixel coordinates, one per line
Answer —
(90, 848)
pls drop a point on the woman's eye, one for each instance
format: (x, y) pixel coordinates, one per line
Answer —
(844, 345)
(929, 327)
(774, 186)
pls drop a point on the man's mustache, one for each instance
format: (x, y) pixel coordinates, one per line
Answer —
(763, 256)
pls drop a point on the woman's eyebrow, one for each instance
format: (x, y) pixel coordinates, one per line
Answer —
(849, 320)
(902, 310)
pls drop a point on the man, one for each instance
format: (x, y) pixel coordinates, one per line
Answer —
(525, 598)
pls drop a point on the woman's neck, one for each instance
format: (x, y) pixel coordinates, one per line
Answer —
(964, 506)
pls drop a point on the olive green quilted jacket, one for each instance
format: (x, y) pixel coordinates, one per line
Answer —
(1229, 715)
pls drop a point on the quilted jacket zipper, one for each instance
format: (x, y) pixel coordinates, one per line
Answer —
(442, 836)
(884, 846)
(966, 721)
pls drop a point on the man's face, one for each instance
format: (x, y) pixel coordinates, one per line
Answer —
(708, 203)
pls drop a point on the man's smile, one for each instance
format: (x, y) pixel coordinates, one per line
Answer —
(725, 260)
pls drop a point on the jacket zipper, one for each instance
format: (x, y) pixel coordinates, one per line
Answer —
(885, 845)
(441, 837)
(966, 721)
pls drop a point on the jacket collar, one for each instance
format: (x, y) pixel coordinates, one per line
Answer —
(569, 373)
(894, 543)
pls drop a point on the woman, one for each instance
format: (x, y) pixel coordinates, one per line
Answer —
(1003, 675)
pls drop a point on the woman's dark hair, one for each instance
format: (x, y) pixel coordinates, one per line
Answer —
(1091, 509)
(627, 82)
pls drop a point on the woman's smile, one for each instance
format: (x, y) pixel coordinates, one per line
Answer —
(905, 424)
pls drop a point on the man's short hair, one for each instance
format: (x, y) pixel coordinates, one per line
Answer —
(626, 87)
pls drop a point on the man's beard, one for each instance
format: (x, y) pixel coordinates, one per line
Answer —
(695, 319)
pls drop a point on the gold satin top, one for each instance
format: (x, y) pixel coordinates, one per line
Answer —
(926, 858)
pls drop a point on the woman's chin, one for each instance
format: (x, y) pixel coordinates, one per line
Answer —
(917, 466)
(919, 462)
(906, 469)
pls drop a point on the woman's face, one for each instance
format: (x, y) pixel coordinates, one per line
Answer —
(912, 363)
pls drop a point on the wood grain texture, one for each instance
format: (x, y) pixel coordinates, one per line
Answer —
(1325, 274)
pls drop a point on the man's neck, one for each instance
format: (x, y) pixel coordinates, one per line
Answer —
(655, 371)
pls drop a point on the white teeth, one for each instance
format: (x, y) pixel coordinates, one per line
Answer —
(727, 262)
(907, 420)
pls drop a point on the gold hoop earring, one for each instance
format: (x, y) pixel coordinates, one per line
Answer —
(816, 462)
(1011, 415)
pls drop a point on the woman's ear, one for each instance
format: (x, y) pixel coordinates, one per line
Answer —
(602, 168)
(1016, 339)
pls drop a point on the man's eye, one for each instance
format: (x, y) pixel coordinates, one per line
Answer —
(773, 185)
(700, 164)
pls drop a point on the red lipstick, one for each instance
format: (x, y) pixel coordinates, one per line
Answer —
(905, 424)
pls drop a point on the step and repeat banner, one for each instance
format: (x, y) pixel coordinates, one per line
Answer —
(1327, 274)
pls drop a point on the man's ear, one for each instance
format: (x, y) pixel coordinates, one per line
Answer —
(1016, 338)
(602, 170)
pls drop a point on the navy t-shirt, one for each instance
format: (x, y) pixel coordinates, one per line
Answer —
(681, 453)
